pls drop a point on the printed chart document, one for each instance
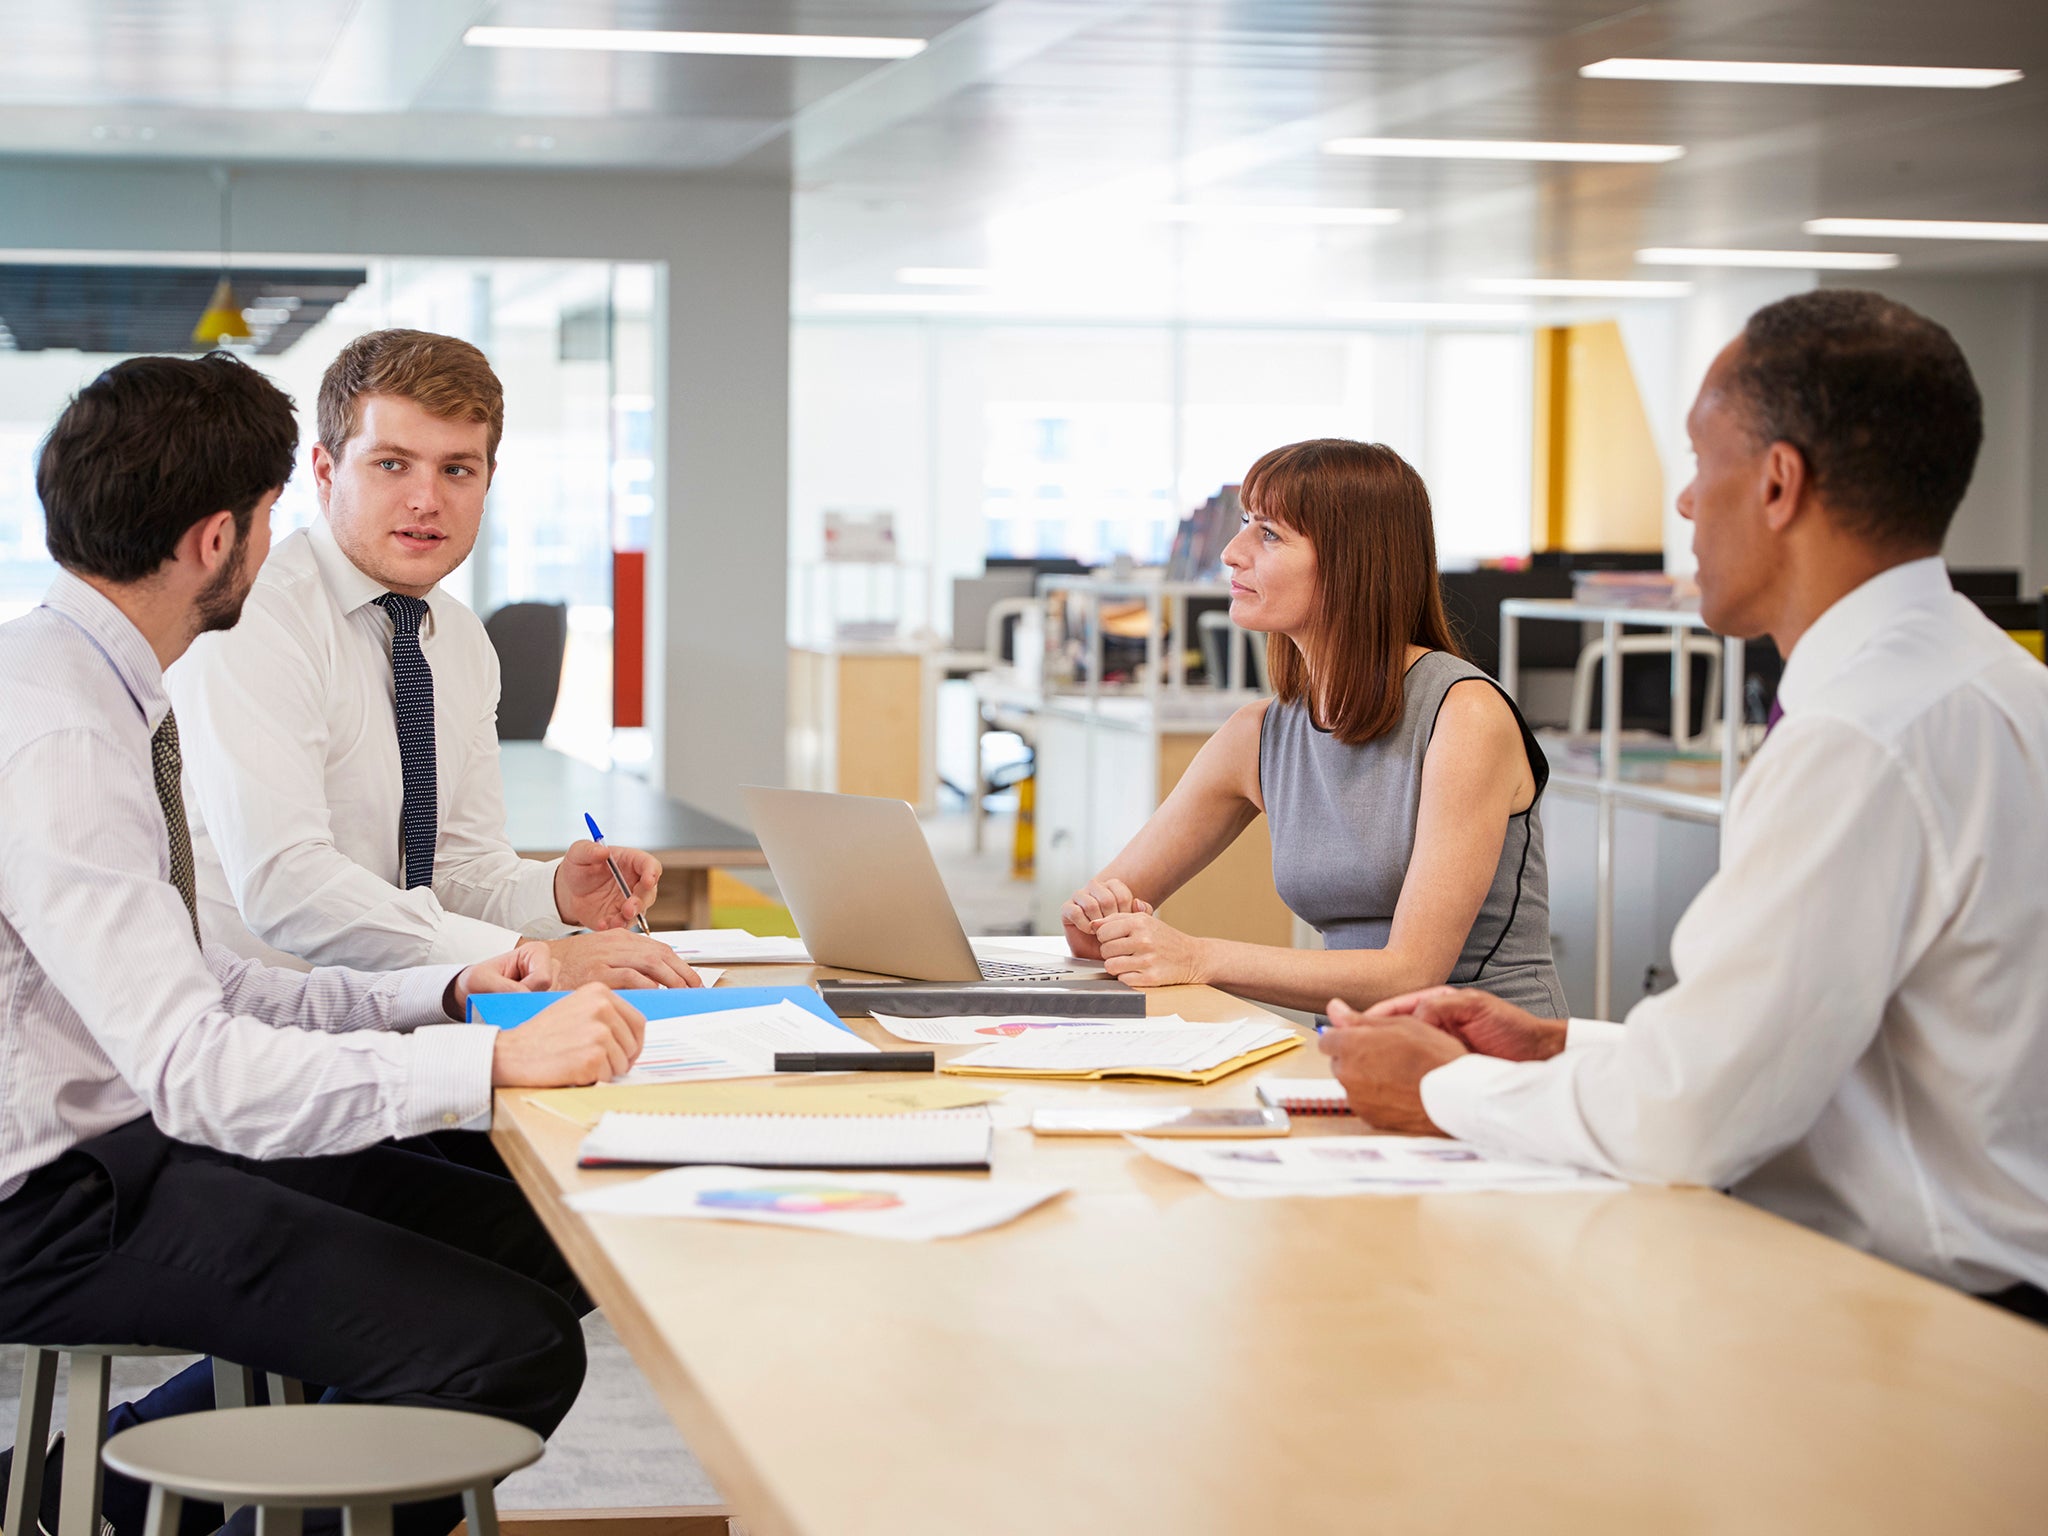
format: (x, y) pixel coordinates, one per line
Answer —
(1177, 1051)
(984, 1029)
(913, 1208)
(732, 946)
(1358, 1165)
(737, 1042)
(956, 1139)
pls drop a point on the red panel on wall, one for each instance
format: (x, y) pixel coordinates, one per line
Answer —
(629, 637)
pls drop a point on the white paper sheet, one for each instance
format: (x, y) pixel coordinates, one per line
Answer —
(1357, 1165)
(733, 946)
(1188, 1048)
(906, 1208)
(988, 1029)
(944, 1138)
(738, 1042)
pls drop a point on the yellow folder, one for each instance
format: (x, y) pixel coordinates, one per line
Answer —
(1155, 1074)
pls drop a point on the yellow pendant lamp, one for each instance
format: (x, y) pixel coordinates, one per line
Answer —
(222, 319)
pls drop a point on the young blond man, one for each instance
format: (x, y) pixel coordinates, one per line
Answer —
(341, 746)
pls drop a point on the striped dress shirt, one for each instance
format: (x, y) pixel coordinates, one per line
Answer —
(107, 1011)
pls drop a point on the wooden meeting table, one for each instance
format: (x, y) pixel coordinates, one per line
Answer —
(1144, 1358)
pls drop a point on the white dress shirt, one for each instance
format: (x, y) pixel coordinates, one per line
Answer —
(108, 1011)
(293, 786)
(1858, 1039)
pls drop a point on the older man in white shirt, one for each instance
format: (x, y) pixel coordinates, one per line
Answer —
(195, 1149)
(341, 742)
(1858, 1038)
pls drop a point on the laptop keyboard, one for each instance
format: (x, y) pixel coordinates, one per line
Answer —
(1012, 970)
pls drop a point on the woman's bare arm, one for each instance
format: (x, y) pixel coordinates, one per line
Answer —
(1475, 775)
(1216, 799)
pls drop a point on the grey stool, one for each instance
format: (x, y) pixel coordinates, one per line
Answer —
(362, 1457)
(85, 1427)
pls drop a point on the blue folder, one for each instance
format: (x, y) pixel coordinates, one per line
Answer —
(508, 1009)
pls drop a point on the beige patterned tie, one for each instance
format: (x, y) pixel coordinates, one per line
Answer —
(163, 753)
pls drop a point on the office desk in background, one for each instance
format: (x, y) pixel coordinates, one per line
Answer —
(1145, 1358)
(547, 794)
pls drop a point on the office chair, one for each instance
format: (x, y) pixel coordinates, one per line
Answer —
(530, 639)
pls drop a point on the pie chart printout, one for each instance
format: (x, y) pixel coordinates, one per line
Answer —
(799, 1199)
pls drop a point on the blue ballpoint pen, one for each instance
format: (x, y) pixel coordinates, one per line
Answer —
(625, 890)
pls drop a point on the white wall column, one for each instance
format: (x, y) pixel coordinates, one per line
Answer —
(717, 596)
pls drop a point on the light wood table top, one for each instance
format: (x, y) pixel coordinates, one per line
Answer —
(1142, 1356)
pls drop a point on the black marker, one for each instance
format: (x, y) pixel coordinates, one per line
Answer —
(853, 1061)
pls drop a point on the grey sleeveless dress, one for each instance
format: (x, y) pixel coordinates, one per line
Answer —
(1343, 825)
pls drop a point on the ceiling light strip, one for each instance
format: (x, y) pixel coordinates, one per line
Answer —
(1927, 229)
(945, 277)
(1504, 149)
(1582, 288)
(1811, 261)
(1740, 72)
(1274, 213)
(762, 45)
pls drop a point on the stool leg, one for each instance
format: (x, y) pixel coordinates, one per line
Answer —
(234, 1386)
(31, 1436)
(165, 1507)
(480, 1510)
(272, 1520)
(366, 1520)
(285, 1391)
(85, 1431)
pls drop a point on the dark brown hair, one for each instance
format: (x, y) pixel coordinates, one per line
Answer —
(443, 375)
(152, 446)
(1365, 512)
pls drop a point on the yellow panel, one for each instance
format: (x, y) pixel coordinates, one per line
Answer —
(1599, 482)
(2029, 639)
(1234, 897)
(1547, 461)
(1614, 480)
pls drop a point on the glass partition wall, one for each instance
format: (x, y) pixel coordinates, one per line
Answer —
(1093, 441)
(574, 484)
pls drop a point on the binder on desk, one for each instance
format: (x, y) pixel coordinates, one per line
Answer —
(507, 1009)
(1081, 999)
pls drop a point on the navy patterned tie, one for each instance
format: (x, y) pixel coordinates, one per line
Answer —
(413, 704)
(169, 767)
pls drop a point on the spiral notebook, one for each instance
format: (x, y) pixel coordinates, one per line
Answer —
(952, 1139)
(1305, 1095)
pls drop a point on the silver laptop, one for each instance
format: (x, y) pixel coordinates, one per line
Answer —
(865, 891)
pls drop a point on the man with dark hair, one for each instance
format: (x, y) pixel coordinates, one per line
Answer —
(344, 794)
(1858, 1038)
(194, 1148)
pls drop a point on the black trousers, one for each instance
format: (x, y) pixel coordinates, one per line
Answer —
(389, 1275)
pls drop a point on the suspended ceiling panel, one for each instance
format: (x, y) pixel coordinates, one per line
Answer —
(95, 308)
(1031, 137)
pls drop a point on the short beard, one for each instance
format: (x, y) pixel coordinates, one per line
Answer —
(219, 605)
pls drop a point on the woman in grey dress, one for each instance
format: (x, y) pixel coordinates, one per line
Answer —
(1399, 782)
